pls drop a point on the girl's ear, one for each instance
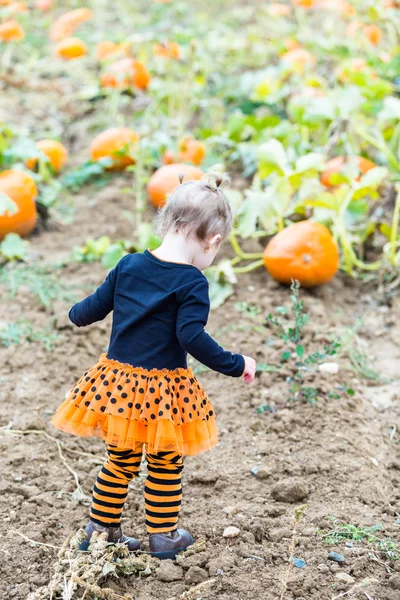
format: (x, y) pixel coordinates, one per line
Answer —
(215, 239)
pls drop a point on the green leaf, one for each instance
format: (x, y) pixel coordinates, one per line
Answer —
(313, 162)
(147, 238)
(14, 247)
(266, 368)
(113, 255)
(390, 110)
(374, 177)
(272, 158)
(300, 350)
(286, 355)
(219, 292)
(25, 148)
(7, 205)
(235, 198)
(281, 310)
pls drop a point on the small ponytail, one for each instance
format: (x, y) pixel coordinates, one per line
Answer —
(216, 181)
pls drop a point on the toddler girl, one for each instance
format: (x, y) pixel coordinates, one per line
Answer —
(141, 395)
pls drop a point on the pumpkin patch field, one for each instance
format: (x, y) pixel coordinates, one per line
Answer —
(104, 106)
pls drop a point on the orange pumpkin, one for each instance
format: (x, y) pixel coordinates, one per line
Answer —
(276, 9)
(44, 5)
(70, 48)
(56, 153)
(17, 7)
(299, 58)
(111, 142)
(373, 33)
(336, 164)
(11, 31)
(163, 182)
(342, 7)
(21, 188)
(191, 151)
(126, 73)
(167, 50)
(168, 158)
(65, 25)
(305, 251)
(291, 43)
(353, 27)
(354, 65)
(107, 49)
(305, 3)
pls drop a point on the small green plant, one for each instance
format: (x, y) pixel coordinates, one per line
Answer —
(14, 334)
(103, 249)
(13, 247)
(89, 172)
(42, 281)
(346, 531)
(298, 515)
(295, 353)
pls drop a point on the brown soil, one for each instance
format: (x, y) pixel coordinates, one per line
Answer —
(341, 456)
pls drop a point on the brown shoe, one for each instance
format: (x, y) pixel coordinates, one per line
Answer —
(168, 545)
(115, 536)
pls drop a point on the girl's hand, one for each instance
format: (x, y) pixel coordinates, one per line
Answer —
(249, 369)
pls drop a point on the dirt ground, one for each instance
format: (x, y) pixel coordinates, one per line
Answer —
(340, 457)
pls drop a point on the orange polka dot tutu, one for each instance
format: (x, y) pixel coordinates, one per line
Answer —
(166, 409)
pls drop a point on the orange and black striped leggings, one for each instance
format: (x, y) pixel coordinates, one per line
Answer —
(162, 491)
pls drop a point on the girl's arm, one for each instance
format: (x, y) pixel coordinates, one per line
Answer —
(96, 306)
(192, 318)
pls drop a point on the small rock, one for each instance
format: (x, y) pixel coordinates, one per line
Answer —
(394, 582)
(193, 560)
(323, 568)
(339, 558)
(196, 575)
(290, 490)
(344, 578)
(260, 472)
(204, 477)
(330, 368)
(299, 562)
(224, 562)
(248, 537)
(275, 535)
(230, 510)
(168, 571)
(231, 532)
(368, 581)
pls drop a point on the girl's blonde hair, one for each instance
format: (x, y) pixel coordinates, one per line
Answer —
(199, 206)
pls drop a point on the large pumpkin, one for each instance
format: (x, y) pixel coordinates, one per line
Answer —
(305, 251)
(21, 188)
(111, 142)
(56, 153)
(126, 73)
(166, 179)
(336, 164)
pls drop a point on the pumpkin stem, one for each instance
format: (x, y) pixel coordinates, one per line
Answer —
(240, 253)
(251, 267)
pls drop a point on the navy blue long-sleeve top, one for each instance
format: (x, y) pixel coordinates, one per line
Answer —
(160, 309)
